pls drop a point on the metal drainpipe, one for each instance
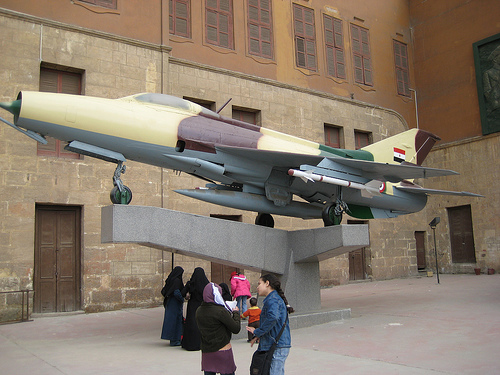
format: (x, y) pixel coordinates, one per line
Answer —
(416, 105)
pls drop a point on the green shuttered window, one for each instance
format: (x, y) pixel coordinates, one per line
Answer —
(219, 23)
(305, 37)
(402, 71)
(180, 18)
(361, 55)
(260, 31)
(334, 44)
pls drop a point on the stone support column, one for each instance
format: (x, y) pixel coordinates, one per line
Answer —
(293, 255)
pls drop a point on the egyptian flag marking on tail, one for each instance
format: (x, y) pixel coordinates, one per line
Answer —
(399, 155)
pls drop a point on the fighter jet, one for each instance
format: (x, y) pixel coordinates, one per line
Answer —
(245, 166)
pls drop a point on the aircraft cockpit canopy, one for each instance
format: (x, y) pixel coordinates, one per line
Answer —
(174, 102)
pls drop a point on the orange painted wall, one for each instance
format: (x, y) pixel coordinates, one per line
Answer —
(444, 32)
(385, 23)
(136, 19)
(148, 21)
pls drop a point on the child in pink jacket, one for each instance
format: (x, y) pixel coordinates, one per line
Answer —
(240, 290)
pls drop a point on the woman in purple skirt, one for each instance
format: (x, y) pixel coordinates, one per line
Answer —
(216, 321)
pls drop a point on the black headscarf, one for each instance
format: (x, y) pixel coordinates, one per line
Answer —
(226, 293)
(173, 282)
(198, 280)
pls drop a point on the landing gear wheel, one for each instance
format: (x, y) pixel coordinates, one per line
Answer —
(121, 197)
(331, 215)
(265, 220)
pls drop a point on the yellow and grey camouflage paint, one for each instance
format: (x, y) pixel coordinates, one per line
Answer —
(156, 129)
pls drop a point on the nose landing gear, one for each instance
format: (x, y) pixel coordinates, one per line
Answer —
(120, 194)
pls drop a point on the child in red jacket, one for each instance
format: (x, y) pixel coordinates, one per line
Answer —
(253, 314)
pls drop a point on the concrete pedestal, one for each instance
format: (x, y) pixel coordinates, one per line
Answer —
(294, 255)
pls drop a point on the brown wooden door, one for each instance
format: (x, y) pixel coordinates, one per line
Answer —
(222, 273)
(420, 243)
(357, 264)
(461, 235)
(57, 259)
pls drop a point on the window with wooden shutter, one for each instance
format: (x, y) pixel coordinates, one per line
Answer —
(362, 139)
(247, 115)
(208, 104)
(305, 37)
(260, 31)
(180, 17)
(333, 136)
(334, 44)
(59, 82)
(219, 23)
(402, 70)
(361, 56)
(111, 4)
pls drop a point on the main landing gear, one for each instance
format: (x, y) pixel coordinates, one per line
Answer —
(120, 194)
(265, 220)
(332, 213)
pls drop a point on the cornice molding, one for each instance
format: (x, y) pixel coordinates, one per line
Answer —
(85, 31)
(177, 61)
(267, 81)
(465, 141)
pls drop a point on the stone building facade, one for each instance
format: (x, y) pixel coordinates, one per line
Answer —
(450, 91)
(115, 62)
(111, 277)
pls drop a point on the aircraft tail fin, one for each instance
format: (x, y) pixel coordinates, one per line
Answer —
(411, 146)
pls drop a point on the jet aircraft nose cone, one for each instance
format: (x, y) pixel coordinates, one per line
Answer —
(13, 107)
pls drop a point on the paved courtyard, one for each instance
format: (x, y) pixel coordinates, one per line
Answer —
(403, 326)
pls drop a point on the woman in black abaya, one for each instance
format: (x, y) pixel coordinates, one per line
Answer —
(195, 286)
(226, 293)
(173, 301)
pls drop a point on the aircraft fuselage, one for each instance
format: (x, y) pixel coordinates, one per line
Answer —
(251, 162)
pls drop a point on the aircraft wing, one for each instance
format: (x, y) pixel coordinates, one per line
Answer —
(368, 169)
(420, 190)
(278, 158)
(392, 172)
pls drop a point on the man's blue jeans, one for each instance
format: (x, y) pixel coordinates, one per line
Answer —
(278, 364)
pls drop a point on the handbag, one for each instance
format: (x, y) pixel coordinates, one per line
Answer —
(261, 360)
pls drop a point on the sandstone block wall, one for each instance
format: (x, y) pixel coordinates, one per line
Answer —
(117, 276)
(476, 161)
